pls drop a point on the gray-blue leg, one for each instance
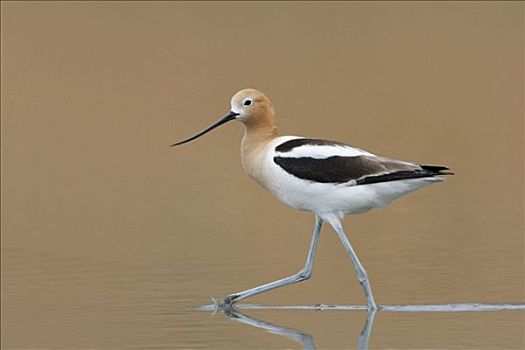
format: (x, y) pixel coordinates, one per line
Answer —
(361, 273)
(302, 275)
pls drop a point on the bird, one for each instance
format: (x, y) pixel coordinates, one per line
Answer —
(328, 178)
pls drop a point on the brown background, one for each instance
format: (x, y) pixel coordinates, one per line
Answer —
(108, 235)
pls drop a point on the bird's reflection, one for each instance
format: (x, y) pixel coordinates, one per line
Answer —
(306, 340)
(364, 337)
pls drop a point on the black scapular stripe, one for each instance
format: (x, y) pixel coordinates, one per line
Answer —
(334, 169)
(290, 145)
(363, 170)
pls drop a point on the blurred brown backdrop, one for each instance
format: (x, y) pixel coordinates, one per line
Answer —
(107, 233)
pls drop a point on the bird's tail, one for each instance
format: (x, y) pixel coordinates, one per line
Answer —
(437, 170)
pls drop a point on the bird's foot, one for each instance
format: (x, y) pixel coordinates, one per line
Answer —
(230, 300)
(216, 305)
(224, 305)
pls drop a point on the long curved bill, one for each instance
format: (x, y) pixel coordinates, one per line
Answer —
(225, 119)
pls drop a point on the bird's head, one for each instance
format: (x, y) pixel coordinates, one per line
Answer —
(249, 106)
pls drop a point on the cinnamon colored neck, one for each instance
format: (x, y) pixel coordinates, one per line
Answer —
(256, 136)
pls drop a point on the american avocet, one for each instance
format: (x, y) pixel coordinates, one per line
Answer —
(328, 178)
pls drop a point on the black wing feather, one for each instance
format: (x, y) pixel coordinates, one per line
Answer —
(361, 169)
(426, 171)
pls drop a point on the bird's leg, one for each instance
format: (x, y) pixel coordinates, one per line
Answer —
(302, 275)
(361, 273)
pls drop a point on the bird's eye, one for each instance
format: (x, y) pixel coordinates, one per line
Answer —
(247, 102)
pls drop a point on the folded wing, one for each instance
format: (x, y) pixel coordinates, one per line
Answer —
(325, 161)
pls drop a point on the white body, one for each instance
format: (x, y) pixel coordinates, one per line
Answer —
(324, 199)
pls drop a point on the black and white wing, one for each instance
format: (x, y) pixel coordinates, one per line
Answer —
(325, 161)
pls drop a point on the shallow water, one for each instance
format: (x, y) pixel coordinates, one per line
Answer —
(110, 239)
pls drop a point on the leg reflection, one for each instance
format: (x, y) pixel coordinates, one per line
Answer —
(364, 337)
(305, 339)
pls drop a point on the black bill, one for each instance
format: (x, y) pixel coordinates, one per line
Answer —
(225, 119)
